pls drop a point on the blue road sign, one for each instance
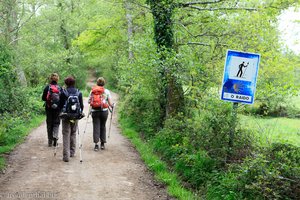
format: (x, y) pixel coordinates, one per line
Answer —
(239, 79)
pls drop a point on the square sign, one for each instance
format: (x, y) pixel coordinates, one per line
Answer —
(239, 79)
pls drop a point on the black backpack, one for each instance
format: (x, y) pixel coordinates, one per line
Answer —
(72, 108)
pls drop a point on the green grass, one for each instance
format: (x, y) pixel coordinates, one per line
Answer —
(17, 135)
(269, 130)
(153, 162)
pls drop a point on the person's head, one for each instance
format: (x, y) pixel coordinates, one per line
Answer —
(70, 81)
(101, 81)
(54, 77)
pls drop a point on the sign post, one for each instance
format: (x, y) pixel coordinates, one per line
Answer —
(239, 82)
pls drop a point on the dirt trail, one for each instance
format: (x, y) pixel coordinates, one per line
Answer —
(116, 173)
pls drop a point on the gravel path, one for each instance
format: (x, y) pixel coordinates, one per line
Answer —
(116, 173)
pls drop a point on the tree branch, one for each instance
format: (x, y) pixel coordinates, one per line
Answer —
(20, 24)
(187, 30)
(198, 2)
(198, 43)
(222, 8)
(203, 44)
(14, 40)
(206, 34)
(139, 4)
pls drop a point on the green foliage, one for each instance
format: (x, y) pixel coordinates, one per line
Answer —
(12, 95)
(272, 174)
(143, 107)
(199, 147)
(196, 168)
(162, 12)
(103, 43)
(13, 130)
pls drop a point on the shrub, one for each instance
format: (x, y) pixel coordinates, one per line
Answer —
(272, 174)
(143, 107)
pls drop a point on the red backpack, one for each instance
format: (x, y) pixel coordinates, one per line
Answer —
(53, 96)
(98, 98)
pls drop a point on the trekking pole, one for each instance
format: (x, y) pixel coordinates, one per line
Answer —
(111, 114)
(80, 139)
(79, 144)
(245, 70)
(55, 148)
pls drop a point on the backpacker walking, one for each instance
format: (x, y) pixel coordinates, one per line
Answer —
(100, 100)
(72, 103)
(51, 96)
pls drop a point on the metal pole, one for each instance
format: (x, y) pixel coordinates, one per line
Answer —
(111, 114)
(233, 126)
(79, 144)
(81, 138)
(55, 148)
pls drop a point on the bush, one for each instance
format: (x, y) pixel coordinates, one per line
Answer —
(285, 108)
(198, 148)
(211, 130)
(143, 107)
(272, 174)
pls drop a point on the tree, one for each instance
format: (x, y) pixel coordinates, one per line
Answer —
(171, 90)
(12, 14)
(166, 14)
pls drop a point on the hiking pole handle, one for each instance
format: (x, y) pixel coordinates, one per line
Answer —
(111, 108)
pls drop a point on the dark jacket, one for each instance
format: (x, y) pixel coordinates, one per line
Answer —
(70, 90)
(45, 92)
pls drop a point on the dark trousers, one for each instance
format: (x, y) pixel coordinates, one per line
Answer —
(53, 122)
(99, 128)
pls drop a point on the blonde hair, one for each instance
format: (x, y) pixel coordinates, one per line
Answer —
(54, 77)
(100, 81)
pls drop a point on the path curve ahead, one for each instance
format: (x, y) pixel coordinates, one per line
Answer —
(116, 173)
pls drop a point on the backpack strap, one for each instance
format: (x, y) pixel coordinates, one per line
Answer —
(67, 94)
(65, 91)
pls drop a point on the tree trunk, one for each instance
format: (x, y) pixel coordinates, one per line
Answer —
(171, 91)
(12, 34)
(129, 29)
(64, 32)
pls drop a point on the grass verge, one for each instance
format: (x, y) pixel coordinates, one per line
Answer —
(270, 130)
(17, 135)
(154, 163)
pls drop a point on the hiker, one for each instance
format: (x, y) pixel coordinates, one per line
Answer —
(72, 107)
(100, 101)
(51, 96)
(240, 72)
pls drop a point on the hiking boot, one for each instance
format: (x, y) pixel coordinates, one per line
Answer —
(55, 142)
(102, 146)
(65, 159)
(96, 147)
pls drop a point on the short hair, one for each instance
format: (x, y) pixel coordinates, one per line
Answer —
(100, 81)
(54, 77)
(70, 81)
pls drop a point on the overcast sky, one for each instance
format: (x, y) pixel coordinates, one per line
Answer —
(290, 29)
